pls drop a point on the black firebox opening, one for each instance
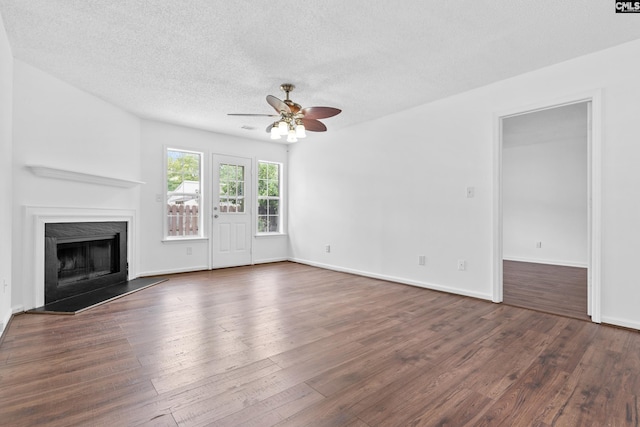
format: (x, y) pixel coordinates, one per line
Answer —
(82, 257)
(82, 260)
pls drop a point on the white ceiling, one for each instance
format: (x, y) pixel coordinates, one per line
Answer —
(192, 62)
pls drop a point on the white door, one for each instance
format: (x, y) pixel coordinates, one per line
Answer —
(231, 211)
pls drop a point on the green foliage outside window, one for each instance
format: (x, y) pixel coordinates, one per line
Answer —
(231, 188)
(268, 197)
(183, 194)
(182, 166)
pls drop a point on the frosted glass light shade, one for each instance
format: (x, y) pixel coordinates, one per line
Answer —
(275, 133)
(292, 136)
(300, 131)
(283, 127)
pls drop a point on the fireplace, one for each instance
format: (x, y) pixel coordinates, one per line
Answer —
(83, 256)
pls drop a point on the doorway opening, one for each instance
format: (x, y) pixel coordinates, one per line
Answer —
(546, 181)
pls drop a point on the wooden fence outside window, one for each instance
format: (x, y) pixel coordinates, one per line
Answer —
(183, 220)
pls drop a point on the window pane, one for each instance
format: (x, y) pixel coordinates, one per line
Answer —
(183, 193)
(262, 224)
(262, 207)
(273, 224)
(224, 205)
(240, 205)
(272, 171)
(240, 173)
(240, 189)
(232, 188)
(274, 190)
(268, 197)
(225, 172)
(273, 207)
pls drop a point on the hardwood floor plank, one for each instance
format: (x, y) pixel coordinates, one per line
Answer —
(216, 378)
(279, 406)
(291, 345)
(425, 393)
(553, 289)
(462, 407)
(521, 404)
(343, 407)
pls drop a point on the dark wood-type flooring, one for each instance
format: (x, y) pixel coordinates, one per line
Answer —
(291, 345)
(550, 288)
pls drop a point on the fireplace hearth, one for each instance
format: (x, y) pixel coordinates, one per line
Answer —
(82, 257)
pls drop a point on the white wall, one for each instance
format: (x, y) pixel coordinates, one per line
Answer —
(6, 126)
(384, 192)
(158, 256)
(59, 126)
(544, 191)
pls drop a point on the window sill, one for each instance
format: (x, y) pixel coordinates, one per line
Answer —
(184, 239)
(270, 234)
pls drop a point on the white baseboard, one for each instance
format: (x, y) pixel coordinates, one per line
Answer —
(6, 318)
(400, 280)
(547, 261)
(172, 271)
(5, 321)
(201, 268)
(620, 322)
(270, 260)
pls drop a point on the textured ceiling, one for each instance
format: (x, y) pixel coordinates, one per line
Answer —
(192, 62)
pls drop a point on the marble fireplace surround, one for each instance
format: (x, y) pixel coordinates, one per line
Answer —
(33, 250)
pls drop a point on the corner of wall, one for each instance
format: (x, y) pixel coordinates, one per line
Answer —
(6, 175)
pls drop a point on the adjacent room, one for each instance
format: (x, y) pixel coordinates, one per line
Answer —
(341, 214)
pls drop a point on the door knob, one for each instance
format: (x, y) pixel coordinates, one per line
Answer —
(215, 216)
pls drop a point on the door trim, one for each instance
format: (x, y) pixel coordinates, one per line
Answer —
(595, 193)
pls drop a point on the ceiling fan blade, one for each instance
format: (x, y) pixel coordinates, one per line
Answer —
(269, 128)
(313, 125)
(278, 105)
(320, 112)
(253, 115)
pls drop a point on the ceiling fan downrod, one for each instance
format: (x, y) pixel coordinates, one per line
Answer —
(287, 87)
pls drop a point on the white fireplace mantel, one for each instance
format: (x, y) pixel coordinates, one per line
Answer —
(69, 175)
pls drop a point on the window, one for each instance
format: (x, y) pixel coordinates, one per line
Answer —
(184, 190)
(269, 197)
(231, 188)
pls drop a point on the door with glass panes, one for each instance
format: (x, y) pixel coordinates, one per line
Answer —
(231, 211)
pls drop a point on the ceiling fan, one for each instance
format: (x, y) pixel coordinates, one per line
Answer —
(294, 120)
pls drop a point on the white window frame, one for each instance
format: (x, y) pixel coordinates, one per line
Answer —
(201, 196)
(280, 198)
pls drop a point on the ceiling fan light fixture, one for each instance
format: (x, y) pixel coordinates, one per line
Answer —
(292, 136)
(275, 132)
(300, 130)
(283, 127)
(294, 121)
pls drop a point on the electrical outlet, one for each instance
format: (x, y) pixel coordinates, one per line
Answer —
(462, 265)
(189, 250)
(327, 248)
(5, 285)
(158, 197)
(538, 245)
(422, 260)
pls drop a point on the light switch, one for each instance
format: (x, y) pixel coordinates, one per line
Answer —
(471, 191)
